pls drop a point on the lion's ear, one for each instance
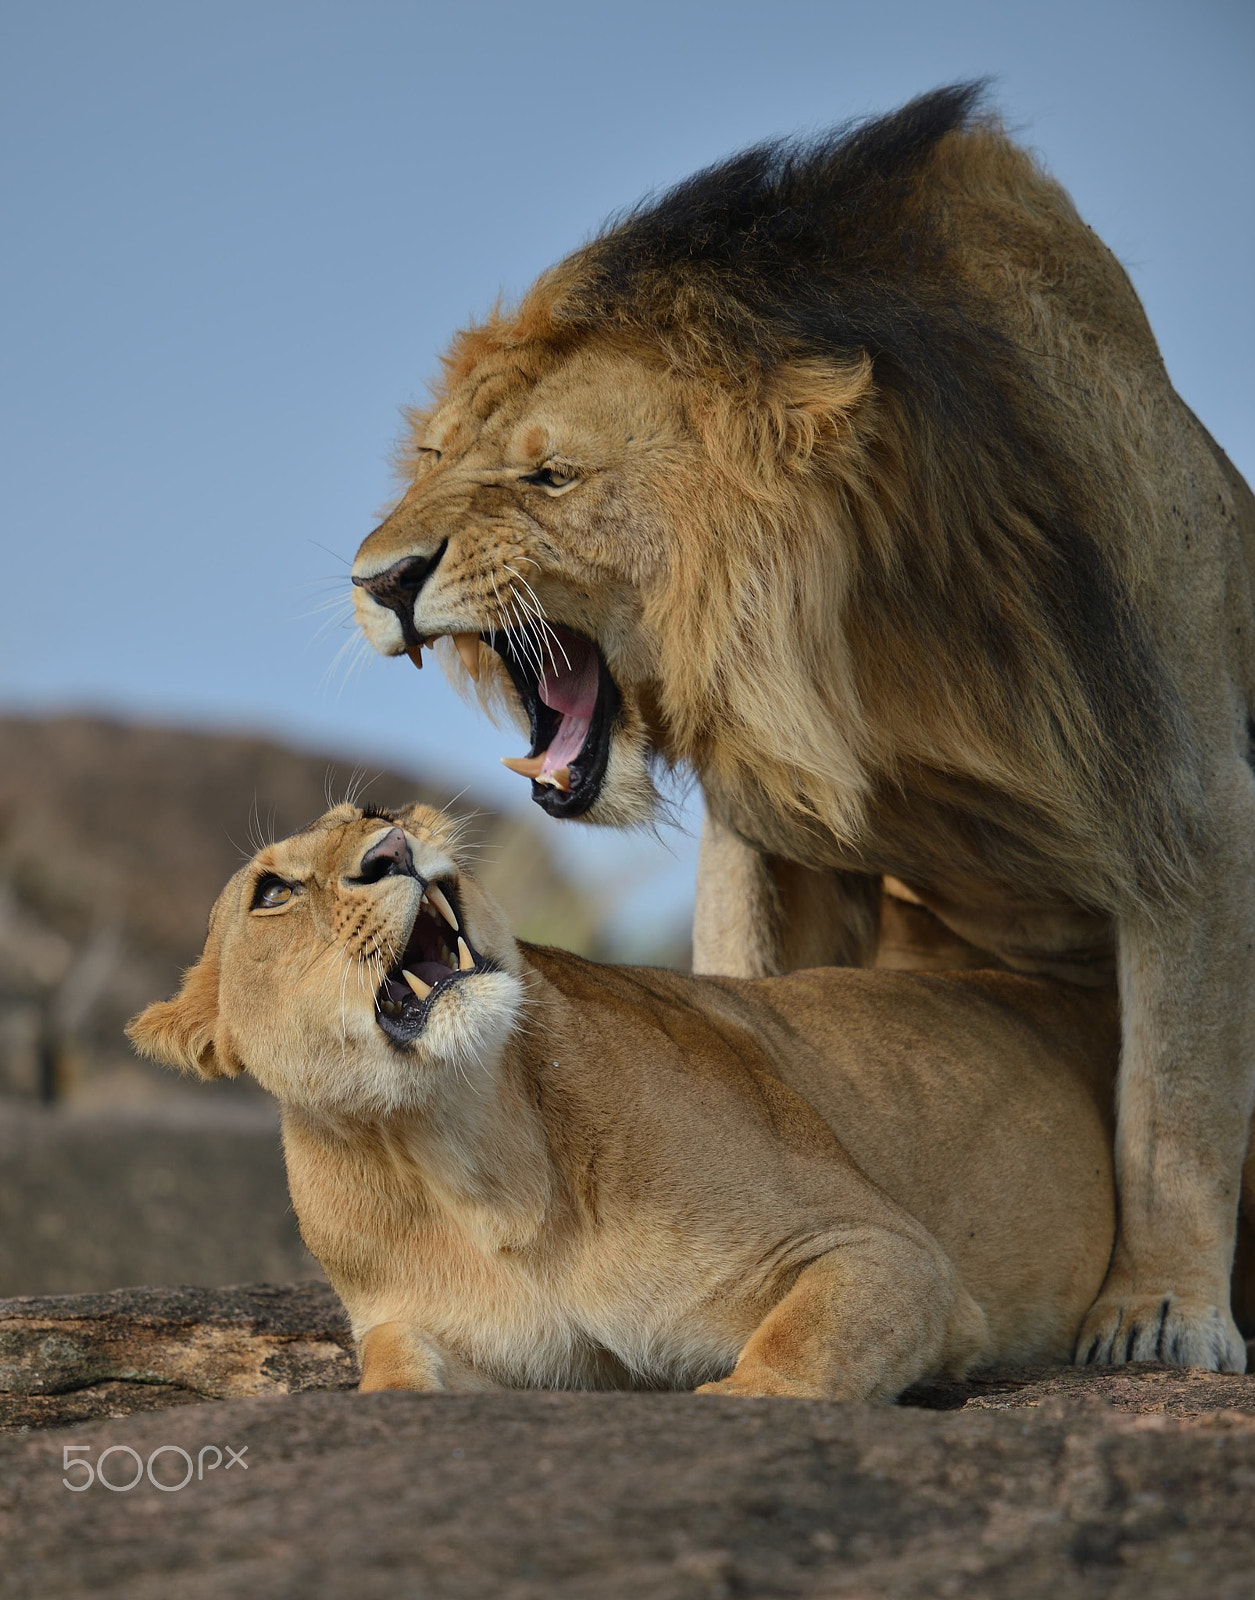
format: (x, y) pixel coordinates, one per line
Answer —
(186, 1032)
(813, 402)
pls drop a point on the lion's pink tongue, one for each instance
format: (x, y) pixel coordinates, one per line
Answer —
(570, 686)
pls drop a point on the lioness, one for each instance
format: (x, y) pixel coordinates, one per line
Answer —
(849, 475)
(522, 1169)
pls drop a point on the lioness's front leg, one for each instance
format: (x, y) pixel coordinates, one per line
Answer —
(1187, 1082)
(862, 1322)
(759, 915)
(396, 1356)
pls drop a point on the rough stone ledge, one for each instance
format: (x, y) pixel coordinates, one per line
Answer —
(71, 1358)
(618, 1496)
(68, 1359)
(1019, 1484)
(1144, 1388)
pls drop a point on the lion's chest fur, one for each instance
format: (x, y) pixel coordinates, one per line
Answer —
(990, 876)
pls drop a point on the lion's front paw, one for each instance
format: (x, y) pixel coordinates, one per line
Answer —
(1160, 1327)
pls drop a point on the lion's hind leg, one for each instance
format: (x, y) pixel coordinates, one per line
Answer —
(1186, 1088)
(1244, 1259)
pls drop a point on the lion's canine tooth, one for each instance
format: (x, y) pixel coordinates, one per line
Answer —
(438, 900)
(528, 766)
(421, 989)
(465, 959)
(415, 653)
(468, 649)
(559, 778)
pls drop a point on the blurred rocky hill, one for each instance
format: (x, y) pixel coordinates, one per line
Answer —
(115, 839)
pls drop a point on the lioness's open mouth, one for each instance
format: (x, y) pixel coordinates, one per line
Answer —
(572, 702)
(436, 954)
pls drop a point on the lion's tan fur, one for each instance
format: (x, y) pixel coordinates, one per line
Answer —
(805, 678)
(830, 1183)
(977, 614)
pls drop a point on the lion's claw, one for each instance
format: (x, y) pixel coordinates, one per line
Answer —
(1180, 1333)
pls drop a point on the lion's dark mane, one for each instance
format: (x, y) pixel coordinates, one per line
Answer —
(830, 249)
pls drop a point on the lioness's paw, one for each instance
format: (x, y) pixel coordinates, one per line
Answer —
(733, 1386)
(762, 1382)
(1161, 1327)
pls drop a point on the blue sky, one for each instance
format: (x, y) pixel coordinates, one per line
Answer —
(236, 237)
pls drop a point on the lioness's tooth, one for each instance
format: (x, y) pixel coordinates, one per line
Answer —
(465, 959)
(421, 989)
(438, 900)
(415, 653)
(528, 766)
(468, 649)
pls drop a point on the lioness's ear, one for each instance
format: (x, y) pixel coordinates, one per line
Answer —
(185, 1032)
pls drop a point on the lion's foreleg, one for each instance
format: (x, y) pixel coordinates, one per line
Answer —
(1186, 1088)
(862, 1322)
(736, 920)
(758, 915)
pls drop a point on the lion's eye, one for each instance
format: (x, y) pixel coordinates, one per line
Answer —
(271, 892)
(554, 476)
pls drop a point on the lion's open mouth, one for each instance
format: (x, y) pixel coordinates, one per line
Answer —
(437, 953)
(572, 702)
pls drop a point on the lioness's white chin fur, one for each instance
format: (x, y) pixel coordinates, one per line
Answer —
(365, 1074)
(471, 1024)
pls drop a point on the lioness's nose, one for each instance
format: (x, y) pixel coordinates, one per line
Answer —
(399, 586)
(391, 854)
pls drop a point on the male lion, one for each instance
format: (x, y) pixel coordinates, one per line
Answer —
(519, 1168)
(849, 475)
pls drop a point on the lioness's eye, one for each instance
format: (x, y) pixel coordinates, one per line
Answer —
(552, 476)
(271, 892)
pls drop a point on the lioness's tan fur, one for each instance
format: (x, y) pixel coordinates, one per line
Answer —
(832, 1183)
(895, 531)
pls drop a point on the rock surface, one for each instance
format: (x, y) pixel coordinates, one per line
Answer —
(75, 1358)
(1021, 1484)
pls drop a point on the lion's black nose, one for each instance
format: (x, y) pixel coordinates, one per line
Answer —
(399, 586)
(391, 855)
